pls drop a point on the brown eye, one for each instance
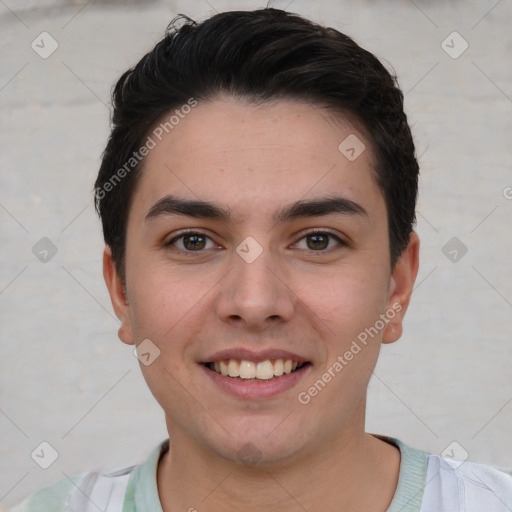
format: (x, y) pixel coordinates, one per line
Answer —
(319, 241)
(191, 242)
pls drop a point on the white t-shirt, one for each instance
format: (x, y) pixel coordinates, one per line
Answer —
(427, 483)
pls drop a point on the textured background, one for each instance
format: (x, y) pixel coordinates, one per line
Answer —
(65, 377)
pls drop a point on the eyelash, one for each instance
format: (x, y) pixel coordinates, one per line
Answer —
(309, 232)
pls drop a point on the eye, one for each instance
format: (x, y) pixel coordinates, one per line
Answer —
(320, 240)
(191, 241)
(195, 241)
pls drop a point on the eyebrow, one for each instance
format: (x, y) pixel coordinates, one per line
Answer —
(172, 205)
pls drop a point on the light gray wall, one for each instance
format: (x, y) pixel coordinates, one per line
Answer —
(65, 377)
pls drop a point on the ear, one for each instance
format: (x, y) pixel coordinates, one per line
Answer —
(117, 297)
(400, 288)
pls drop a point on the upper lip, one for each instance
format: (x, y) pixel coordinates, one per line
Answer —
(250, 355)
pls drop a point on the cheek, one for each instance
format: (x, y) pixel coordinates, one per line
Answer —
(164, 306)
(162, 299)
(347, 307)
(346, 301)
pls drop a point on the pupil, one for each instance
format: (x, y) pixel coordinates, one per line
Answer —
(318, 238)
(198, 241)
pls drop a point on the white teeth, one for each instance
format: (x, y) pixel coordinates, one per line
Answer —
(223, 368)
(263, 370)
(233, 368)
(247, 370)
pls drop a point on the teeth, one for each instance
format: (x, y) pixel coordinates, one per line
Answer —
(264, 370)
(223, 368)
(247, 370)
(233, 368)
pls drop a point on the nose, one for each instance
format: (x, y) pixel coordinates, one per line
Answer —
(255, 294)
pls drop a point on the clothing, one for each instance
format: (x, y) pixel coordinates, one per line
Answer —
(427, 483)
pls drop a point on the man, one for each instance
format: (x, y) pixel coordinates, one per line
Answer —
(257, 195)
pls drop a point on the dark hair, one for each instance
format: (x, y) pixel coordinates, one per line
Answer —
(262, 55)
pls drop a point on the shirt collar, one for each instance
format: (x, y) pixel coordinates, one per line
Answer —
(142, 491)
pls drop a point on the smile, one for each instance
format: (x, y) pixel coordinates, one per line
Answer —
(251, 371)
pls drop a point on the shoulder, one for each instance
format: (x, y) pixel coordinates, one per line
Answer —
(53, 497)
(78, 492)
(470, 485)
(429, 483)
(92, 491)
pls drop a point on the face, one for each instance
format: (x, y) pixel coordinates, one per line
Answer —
(286, 266)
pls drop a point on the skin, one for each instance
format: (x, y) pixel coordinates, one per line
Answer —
(313, 302)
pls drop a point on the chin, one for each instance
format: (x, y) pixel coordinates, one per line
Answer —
(262, 447)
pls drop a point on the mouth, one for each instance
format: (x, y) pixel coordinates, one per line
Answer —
(255, 371)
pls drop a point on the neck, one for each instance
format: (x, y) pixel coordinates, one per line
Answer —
(352, 472)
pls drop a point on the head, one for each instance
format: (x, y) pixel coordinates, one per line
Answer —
(249, 130)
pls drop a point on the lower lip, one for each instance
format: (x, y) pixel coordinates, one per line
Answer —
(257, 390)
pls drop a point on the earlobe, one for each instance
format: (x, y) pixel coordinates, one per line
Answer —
(401, 286)
(118, 297)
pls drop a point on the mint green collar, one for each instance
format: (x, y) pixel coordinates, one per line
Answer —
(142, 491)
(411, 479)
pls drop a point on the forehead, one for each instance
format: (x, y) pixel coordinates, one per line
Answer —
(257, 156)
